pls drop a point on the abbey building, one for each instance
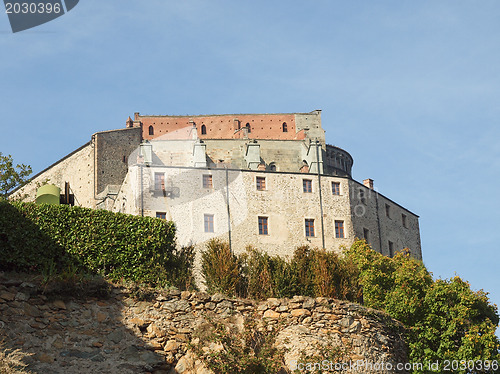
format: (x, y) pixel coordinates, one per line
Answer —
(267, 180)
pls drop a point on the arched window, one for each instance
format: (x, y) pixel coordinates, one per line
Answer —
(203, 130)
(285, 127)
(151, 130)
(248, 128)
(272, 166)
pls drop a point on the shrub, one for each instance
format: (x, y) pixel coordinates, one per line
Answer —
(301, 264)
(267, 276)
(220, 267)
(119, 246)
(308, 273)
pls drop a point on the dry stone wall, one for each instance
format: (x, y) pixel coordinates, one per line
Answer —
(122, 335)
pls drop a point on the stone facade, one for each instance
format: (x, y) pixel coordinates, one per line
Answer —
(77, 168)
(214, 176)
(119, 334)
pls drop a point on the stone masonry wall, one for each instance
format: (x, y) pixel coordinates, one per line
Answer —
(123, 335)
(112, 150)
(76, 168)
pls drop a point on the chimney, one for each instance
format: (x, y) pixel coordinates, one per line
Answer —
(129, 122)
(368, 183)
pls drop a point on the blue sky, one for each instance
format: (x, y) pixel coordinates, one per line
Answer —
(410, 88)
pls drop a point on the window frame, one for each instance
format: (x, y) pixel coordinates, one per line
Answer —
(339, 229)
(207, 181)
(159, 182)
(263, 224)
(208, 223)
(309, 227)
(260, 183)
(336, 188)
(307, 185)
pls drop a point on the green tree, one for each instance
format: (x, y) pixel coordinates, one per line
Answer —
(458, 324)
(11, 176)
(445, 319)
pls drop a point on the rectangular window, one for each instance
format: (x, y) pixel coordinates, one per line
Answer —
(339, 229)
(362, 196)
(263, 226)
(403, 220)
(207, 181)
(261, 183)
(161, 215)
(387, 211)
(391, 249)
(336, 188)
(159, 181)
(309, 227)
(307, 185)
(366, 234)
(209, 222)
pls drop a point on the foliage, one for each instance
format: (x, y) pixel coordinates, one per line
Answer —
(266, 276)
(445, 319)
(458, 324)
(251, 351)
(181, 268)
(11, 176)
(258, 275)
(335, 276)
(220, 267)
(56, 238)
(309, 273)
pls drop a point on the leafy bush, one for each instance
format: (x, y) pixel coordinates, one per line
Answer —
(335, 276)
(266, 276)
(220, 267)
(119, 246)
(258, 275)
(445, 319)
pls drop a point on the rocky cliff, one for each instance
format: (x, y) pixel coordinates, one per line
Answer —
(119, 334)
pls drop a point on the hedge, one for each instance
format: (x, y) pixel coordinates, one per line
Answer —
(120, 246)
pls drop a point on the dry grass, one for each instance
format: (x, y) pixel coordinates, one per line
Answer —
(11, 361)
